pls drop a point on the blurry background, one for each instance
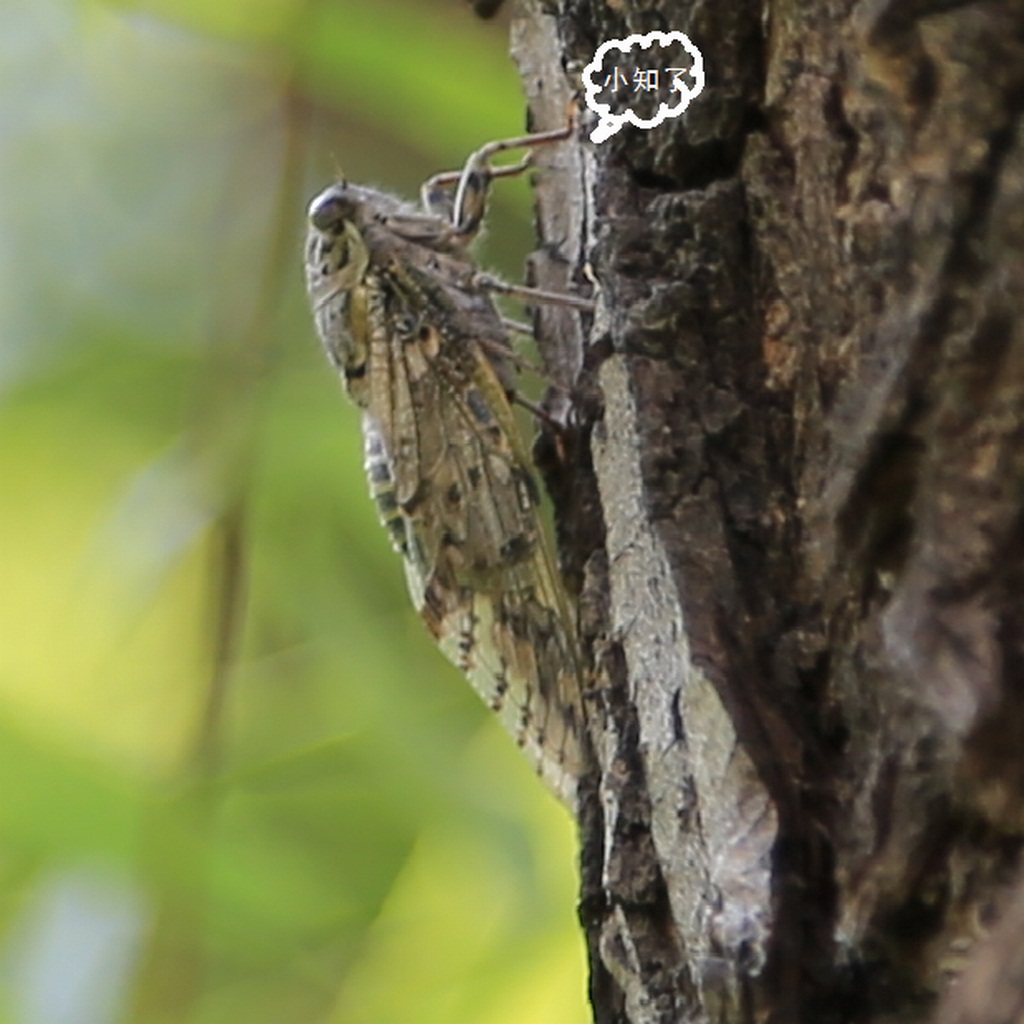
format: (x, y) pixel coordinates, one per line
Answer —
(237, 783)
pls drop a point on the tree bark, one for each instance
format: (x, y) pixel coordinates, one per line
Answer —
(792, 506)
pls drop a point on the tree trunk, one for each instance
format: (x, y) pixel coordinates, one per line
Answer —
(793, 508)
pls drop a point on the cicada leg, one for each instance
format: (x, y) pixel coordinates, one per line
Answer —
(438, 199)
(539, 295)
(465, 212)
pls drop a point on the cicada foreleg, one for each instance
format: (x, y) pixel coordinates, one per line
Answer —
(465, 211)
(437, 196)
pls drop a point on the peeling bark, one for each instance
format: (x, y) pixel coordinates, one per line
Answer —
(792, 505)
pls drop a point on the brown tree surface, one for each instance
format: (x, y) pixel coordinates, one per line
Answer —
(793, 508)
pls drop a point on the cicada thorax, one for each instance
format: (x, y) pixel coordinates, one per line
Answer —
(419, 344)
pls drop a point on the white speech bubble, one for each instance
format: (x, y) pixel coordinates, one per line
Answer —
(610, 123)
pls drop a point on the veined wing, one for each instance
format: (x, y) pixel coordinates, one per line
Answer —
(451, 477)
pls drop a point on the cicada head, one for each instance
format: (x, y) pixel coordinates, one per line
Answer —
(336, 254)
(337, 260)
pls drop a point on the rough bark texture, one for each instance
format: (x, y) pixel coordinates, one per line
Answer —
(793, 506)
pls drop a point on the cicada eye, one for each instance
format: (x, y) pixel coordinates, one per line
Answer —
(329, 210)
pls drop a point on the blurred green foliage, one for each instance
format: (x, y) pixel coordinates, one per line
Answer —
(237, 783)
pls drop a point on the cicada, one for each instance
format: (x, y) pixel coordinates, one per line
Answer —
(408, 319)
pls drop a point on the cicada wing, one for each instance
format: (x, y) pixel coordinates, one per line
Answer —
(462, 506)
